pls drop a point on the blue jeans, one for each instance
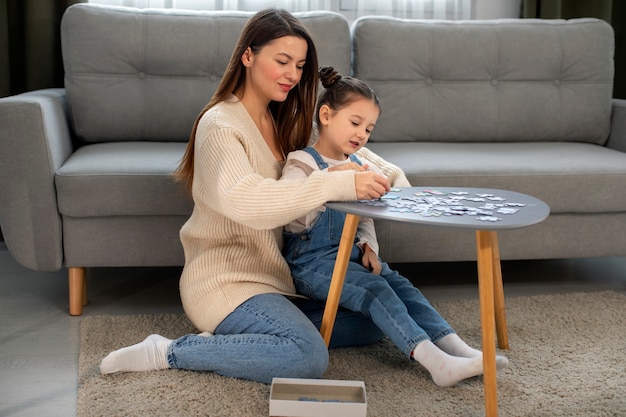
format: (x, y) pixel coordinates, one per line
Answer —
(392, 302)
(271, 336)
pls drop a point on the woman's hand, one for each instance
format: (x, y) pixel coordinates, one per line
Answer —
(349, 166)
(370, 260)
(370, 186)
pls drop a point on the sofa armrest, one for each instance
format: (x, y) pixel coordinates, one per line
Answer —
(617, 136)
(34, 142)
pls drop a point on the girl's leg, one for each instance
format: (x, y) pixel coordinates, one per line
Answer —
(453, 345)
(351, 328)
(427, 317)
(373, 296)
(446, 370)
(419, 308)
(265, 337)
(367, 294)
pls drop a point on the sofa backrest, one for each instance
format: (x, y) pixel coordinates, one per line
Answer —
(495, 80)
(145, 74)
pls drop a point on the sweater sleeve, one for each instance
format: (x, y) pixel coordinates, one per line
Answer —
(394, 173)
(237, 176)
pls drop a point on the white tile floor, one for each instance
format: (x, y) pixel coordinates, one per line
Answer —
(39, 341)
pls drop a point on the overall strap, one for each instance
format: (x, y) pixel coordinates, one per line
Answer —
(354, 158)
(320, 161)
(316, 155)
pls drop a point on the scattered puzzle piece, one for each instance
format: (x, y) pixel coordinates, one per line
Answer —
(434, 203)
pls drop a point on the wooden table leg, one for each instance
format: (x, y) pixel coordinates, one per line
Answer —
(498, 292)
(486, 257)
(339, 275)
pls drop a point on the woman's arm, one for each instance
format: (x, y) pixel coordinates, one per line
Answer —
(394, 173)
(234, 179)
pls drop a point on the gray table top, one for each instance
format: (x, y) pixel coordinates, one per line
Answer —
(460, 207)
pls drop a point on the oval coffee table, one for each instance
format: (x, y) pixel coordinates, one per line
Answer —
(484, 210)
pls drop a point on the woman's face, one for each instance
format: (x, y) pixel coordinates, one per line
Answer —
(275, 69)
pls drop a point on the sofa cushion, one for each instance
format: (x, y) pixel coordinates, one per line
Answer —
(488, 81)
(122, 178)
(569, 177)
(145, 74)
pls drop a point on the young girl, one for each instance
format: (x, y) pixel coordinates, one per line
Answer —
(347, 112)
(236, 287)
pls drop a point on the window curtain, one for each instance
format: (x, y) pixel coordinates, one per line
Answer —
(351, 9)
(30, 44)
(612, 11)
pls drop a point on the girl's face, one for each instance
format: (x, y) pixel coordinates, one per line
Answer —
(275, 69)
(345, 131)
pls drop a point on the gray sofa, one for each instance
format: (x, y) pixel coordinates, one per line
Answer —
(523, 105)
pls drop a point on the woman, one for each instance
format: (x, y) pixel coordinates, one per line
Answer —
(236, 287)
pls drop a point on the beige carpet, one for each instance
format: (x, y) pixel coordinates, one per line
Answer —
(568, 358)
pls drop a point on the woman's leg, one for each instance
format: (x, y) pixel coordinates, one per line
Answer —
(265, 337)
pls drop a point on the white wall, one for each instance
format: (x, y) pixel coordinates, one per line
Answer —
(496, 9)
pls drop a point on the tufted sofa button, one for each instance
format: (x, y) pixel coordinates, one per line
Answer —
(557, 82)
(429, 81)
(494, 83)
(141, 75)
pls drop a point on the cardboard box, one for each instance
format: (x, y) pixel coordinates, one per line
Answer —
(295, 397)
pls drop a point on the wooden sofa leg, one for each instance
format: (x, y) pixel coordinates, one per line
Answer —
(78, 290)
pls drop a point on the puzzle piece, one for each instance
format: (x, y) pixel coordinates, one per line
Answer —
(489, 219)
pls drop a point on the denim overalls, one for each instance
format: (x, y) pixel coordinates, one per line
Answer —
(322, 238)
(398, 308)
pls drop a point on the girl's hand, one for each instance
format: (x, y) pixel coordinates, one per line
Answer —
(349, 166)
(370, 186)
(370, 260)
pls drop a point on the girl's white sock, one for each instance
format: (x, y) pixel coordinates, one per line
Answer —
(446, 370)
(149, 355)
(453, 345)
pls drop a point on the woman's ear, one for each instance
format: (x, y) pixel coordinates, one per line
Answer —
(246, 57)
(325, 113)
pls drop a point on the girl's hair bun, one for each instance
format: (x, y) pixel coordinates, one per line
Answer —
(328, 76)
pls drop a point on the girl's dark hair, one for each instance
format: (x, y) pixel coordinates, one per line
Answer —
(294, 116)
(339, 91)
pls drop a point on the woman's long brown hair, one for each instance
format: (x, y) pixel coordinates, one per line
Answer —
(294, 116)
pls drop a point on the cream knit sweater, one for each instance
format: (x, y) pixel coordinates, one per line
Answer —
(233, 239)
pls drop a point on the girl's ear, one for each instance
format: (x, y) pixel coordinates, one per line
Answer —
(325, 113)
(246, 57)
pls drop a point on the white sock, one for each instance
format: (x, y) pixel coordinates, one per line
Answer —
(453, 345)
(446, 370)
(149, 355)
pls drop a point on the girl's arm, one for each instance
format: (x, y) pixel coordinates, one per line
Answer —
(366, 234)
(370, 260)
